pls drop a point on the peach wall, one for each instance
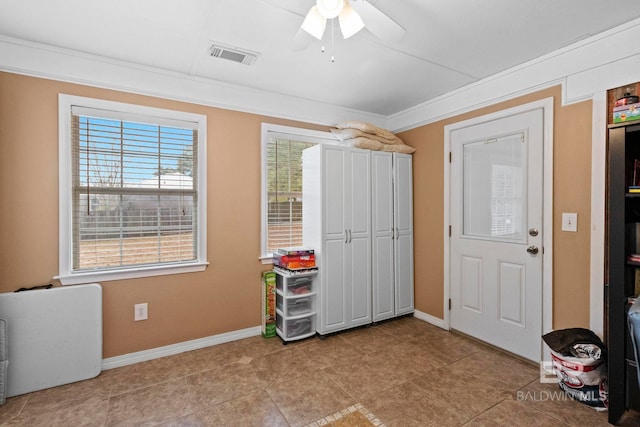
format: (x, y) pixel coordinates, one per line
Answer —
(572, 193)
(224, 298)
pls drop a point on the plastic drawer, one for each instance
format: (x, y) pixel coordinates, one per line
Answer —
(295, 306)
(297, 328)
(294, 285)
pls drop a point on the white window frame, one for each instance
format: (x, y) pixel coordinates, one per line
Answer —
(67, 275)
(269, 130)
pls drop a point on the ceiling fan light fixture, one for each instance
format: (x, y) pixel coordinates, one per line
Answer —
(329, 9)
(314, 23)
(350, 21)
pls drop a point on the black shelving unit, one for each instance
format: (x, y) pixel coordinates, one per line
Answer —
(623, 209)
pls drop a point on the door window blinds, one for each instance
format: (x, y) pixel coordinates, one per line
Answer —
(134, 190)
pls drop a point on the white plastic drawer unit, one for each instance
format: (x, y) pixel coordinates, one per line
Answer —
(294, 285)
(295, 306)
(296, 328)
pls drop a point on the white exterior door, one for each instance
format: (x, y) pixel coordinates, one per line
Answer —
(496, 232)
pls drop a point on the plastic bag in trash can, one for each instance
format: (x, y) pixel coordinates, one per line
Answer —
(579, 361)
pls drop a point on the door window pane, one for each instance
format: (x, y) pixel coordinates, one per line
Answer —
(495, 188)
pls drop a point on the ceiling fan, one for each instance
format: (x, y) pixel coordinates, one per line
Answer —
(353, 15)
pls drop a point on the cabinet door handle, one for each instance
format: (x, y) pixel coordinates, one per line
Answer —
(393, 233)
(346, 236)
(349, 235)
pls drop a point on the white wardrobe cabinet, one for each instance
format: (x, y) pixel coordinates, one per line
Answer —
(392, 234)
(337, 225)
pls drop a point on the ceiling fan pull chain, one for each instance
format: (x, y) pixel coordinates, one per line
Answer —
(333, 59)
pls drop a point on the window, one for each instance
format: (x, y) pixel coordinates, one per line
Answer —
(132, 191)
(282, 196)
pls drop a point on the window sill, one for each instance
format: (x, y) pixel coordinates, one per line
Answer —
(266, 259)
(130, 273)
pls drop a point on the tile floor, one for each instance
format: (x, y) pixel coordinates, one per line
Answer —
(405, 372)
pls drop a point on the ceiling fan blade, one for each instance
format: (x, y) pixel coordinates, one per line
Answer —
(383, 27)
(350, 21)
(301, 40)
(314, 23)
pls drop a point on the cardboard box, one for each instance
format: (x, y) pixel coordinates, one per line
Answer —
(268, 304)
(626, 113)
(295, 262)
(295, 251)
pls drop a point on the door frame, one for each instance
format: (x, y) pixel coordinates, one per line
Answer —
(547, 210)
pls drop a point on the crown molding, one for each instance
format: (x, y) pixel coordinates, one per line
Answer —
(589, 66)
(49, 62)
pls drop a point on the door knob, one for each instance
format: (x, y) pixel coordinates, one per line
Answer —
(532, 249)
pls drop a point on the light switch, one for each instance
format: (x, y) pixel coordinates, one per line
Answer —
(569, 222)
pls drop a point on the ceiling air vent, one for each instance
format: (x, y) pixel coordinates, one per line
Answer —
(232, 54)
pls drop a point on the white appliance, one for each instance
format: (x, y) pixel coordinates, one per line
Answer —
(54, 336)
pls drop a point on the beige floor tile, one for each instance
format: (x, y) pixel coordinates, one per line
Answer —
(416, 359)
(369, 340)
(510, 413)
(99, 387)
(409, 405)
(309, 397)
(145, 374)
(464, 393)
(405, 371)
(548, 398)
(13, 406)
(449, 347)
(255, 347)
(371, 374)
(408, 328)
(281, 366)
(191, 420)
(151, 405)
(91, 411)
(250, 410)
(223, 383)
(322, 353)
(499, 369)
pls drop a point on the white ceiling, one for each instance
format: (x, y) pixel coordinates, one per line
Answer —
(447, 45)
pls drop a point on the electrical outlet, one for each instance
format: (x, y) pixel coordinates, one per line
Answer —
(140, 311)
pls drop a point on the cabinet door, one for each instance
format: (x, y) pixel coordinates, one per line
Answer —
(382, 235)
(403, 249)
(334, 291)
(335, 177)
(358, 194)
(358, 251)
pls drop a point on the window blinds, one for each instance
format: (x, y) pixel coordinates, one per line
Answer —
(284, 193)
(134, 193)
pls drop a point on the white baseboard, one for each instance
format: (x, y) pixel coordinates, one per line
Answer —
(429, 318)
(169, 350)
